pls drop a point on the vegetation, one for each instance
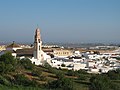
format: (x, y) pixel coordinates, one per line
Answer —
(109, 81)
(7, 63)
(118, 58)
(62, 83)
(63, 65)
(16, 74)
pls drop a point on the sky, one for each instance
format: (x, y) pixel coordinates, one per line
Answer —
(63, 21)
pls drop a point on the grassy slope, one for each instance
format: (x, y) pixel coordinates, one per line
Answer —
(80, 85)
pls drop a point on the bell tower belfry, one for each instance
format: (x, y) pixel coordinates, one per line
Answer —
(37, 45)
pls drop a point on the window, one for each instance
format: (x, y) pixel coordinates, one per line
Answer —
(39, 40)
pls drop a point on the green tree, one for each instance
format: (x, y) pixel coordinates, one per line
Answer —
(21, 79)
(27, 64)
(36, 72)
(114, 74)
(7, 58)
(81, 71)
(7, 63)
(100, 82)
(71, 73)
(63, 65)
(62, 82)
(82, 77)
(4, 81)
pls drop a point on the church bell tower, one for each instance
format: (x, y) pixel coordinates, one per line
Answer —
(37, 45)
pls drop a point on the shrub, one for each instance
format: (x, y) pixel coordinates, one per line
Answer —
(42, 78)
(82, 77)
(100, 82)
(63, 65)
(27, 64)
(59, 74)
(36, 72)
(4, 81)
(21, 79)
(114, 74)
(47, 66)
(63, 83)
(70, 73)
(81, 71)
(7, 63)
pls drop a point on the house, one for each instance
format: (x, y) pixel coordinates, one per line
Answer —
(11, 48)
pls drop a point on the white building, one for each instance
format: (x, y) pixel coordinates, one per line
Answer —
(78, 66)
(11, 48)
(38, 55)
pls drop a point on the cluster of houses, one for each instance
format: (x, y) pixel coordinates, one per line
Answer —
(93, 63)
(65, 58)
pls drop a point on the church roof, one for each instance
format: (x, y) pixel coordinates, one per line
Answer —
(13, 45)
(29, 51)
(5, 51)
(25, 51)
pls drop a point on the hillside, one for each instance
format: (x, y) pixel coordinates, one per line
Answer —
(16, 74)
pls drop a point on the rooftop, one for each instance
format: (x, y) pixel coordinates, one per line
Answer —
(13, 45)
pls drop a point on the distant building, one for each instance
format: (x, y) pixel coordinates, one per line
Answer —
(2, 47)
(11, 48)
(35, 54)
(62, 53)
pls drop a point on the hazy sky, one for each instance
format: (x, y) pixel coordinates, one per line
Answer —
(60, 20)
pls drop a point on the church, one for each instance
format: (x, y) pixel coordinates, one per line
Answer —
(35, 54)
(39, 56)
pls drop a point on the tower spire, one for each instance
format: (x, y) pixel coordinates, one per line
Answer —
(37, 35)
(38, 45)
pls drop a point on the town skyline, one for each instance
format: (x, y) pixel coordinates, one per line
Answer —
(61, 21)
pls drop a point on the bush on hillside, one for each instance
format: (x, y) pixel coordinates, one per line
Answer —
(7, 63)
(82, 77)
(21, 79)
(114, 74)
(27, 64)
(81, 71)
(63, 65)
(100, 82)
(4, 81)
(36, 72)
(62, 83)
(71, 73)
